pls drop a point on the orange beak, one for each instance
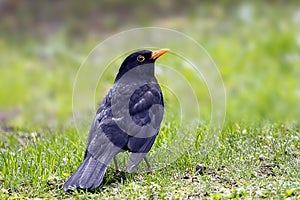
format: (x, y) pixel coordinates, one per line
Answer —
(158, 53)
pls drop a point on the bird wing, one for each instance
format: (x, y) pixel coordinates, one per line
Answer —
(146, 110)
(105, 137)
(141, 104)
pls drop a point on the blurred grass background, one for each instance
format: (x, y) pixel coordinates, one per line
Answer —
(255, 44)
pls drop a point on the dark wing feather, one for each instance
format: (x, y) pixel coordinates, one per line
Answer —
(142, 100)
(141, 112)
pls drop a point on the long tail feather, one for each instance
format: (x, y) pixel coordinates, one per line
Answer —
(88, 176)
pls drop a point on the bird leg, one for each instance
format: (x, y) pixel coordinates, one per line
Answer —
(116, 165)
(148, 164)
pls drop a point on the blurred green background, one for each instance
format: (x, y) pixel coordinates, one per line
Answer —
(255, 44)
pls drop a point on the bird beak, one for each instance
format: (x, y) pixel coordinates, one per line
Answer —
(158, 53)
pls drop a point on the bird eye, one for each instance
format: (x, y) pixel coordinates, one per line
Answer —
(140, 58)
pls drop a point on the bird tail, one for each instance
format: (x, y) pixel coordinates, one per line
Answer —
(88, 176)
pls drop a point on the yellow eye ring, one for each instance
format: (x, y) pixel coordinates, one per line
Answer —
(140, 58)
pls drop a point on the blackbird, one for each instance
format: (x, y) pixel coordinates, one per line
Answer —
(128, 119)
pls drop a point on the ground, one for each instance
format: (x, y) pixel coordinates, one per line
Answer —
(246, 162)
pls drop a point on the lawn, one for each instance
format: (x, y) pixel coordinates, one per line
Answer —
(255, 154)
(247, 161)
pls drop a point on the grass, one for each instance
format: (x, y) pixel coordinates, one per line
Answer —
(256, 154)
(246, 162)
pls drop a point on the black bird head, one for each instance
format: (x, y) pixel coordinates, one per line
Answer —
(143, 57)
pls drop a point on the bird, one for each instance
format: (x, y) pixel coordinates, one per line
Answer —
(128, 119)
